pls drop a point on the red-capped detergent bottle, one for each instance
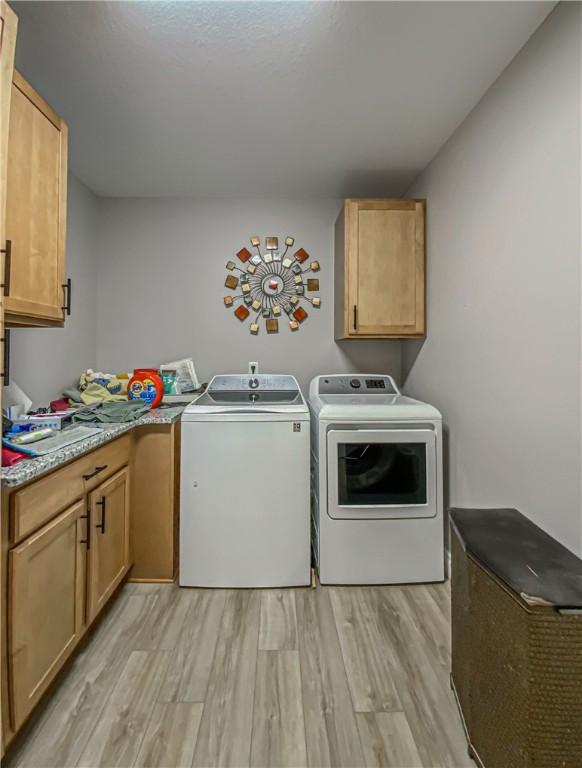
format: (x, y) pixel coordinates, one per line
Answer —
(146, 385)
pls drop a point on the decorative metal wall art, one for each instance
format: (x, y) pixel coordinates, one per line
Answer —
(271, 284)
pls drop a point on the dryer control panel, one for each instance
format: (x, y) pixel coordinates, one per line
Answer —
(362, 384)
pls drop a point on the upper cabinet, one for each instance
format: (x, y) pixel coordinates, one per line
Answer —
(8, 28)
(380, 269)
(36, 291)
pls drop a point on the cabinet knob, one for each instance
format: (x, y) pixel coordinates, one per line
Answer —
(355, 317)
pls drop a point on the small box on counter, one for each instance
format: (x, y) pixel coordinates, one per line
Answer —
(55, 421)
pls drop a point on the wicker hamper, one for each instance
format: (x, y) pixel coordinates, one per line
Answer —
(516, 641)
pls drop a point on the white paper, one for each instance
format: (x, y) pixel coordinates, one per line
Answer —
(16, 401)
(186, 379)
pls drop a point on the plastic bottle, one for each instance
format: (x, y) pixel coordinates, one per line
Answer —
(146, 385)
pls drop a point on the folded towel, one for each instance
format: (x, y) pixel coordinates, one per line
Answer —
(114, 412)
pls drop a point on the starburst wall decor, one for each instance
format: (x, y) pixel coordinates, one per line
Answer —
(271, 284)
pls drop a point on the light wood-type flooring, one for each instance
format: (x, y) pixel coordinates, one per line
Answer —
(342, 676)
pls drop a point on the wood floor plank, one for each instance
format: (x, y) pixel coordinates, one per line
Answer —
(224, 738)
(330, 724)
(424, 692)
(368, 663)
(278, 621)
(116, 739)
(426, 617)
(192, 659)
(164, 625)
(102, 712)
(278, 737)
(171, 735)
(64, 729)
(387, 740)
(441, 594)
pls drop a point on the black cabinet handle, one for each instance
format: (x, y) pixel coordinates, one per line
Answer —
(7, 251)
(95, 472)
(87, 541)
(355, 317)
(67, 289)
(6, 363)
(101, 525)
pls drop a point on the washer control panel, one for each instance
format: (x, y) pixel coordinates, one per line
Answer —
(363, 384)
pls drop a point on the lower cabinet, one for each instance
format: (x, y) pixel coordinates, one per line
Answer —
(66, 550)
(46, 606)
(108, 553)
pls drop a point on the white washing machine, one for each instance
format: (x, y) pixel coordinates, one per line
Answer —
(244, 508)
(376, 473)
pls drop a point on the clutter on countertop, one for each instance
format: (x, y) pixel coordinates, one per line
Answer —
(62, 404)
(96, 393)
(44, 441)
(146, 386)
(115, 383)
(27, 436)
(48, 437)
(25, 471)
(15, 401)
(185, 380)
(97, 387)
(51, 420)
(114, 412)
(6, 424)
(72, 394)
(169, 381)
(10, 457)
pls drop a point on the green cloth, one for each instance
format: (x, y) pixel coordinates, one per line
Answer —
(114, 412)
(95, 393)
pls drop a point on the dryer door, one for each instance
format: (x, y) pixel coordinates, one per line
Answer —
(381, 473)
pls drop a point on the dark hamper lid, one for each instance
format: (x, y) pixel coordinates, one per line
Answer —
(532, 563)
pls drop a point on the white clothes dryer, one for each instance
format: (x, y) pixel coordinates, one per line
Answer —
(376, 482)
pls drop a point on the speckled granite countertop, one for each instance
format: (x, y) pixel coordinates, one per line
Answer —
(30, 469)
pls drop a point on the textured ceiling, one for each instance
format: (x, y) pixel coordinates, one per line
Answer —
(285, 99)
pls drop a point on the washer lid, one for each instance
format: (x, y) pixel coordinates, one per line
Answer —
(245, 394)
(281, 384)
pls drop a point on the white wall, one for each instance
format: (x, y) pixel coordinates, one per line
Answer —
(502, 357)
(160, 287)
(46, 359)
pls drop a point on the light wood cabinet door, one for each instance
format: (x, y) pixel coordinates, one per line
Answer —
(381, 264)
(109, 552)
(36, 194)
(155, 501)
(46, 578)
(8, 30)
